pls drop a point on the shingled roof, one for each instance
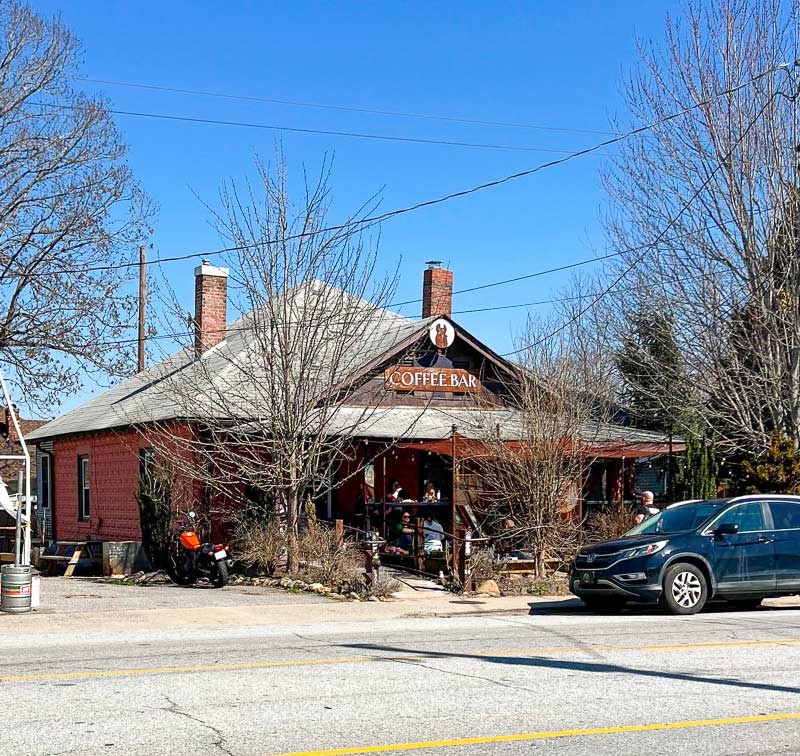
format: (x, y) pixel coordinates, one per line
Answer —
(436, 423)
(147, 398)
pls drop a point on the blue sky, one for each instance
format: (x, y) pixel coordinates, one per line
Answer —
(545, 63)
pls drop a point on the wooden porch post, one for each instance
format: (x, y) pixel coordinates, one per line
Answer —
(419, 545)
(382, 498)
(339, 526)
(453, 510)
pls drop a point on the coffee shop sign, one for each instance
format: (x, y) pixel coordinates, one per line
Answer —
(430, 379)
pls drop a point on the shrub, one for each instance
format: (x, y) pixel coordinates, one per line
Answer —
(323, 559)
(777, 470)
(385, 587)
(260, 543)
(607, 523)
(484, 566)
(154, 499)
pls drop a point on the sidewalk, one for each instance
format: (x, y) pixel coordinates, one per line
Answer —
(78, 605)
(88, 604)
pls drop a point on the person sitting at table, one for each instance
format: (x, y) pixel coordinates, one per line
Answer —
(394, 492)
(506, 544)
(434, 534)
(430, 492)
(401, 536)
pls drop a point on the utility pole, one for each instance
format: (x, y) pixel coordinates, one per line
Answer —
(142, 303)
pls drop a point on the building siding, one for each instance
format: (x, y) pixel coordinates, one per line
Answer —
(113, 482)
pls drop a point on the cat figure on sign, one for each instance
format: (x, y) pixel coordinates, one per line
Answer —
(441, 336)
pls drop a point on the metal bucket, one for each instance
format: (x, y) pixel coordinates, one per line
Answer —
(15, 589)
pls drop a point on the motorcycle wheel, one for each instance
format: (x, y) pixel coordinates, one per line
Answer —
(179, 577)
(219, 576)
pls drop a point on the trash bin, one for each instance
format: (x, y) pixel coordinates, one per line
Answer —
(15, 589)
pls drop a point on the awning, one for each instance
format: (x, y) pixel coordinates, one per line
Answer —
(470, 448)
(633, 450)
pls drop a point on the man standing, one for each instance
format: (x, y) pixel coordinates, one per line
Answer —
(645, 508)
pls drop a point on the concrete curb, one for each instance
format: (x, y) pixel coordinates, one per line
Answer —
(43, 623)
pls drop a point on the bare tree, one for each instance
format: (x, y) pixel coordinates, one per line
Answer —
(705, 214)
(268, 403)
(68, 204)
(532, 471)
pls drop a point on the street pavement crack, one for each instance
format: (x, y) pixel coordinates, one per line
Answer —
(317, 644)
(221, 739)
(489, 680)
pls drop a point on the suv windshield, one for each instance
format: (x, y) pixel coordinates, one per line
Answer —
(685, 517)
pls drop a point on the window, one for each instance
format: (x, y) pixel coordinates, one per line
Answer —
(83, 487)
(685, 517)
(785, 515)
(44, 481)
(748, 517)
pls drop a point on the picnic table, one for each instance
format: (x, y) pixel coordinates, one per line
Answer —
(71, 553)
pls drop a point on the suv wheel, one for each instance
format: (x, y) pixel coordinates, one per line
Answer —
(685, 589)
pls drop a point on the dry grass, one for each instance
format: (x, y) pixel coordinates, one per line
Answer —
(552, 585)
(385, 587)
(484, 566)
(322, 559)
(260, 544)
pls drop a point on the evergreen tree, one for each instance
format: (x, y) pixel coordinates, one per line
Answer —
(696, 476)
(775, 471)
(653, 374)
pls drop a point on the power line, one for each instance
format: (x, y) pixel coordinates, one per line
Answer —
(301, 130)
(380, 217)
(577, 297)
(523, 277)
(555, 300)
(659, 237)
(345, 108)
(569, 266)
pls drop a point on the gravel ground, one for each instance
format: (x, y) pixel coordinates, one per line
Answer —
(91, 594)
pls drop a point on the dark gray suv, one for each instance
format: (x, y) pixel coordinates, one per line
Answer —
(741, 550)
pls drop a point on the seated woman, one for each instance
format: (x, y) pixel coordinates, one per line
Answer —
(395, 492)
(401, 536)
(430, 492)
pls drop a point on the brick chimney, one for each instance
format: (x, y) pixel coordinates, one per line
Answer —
(210, 305)
(437, 290)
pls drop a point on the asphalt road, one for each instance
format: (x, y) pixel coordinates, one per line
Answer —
(557, 682)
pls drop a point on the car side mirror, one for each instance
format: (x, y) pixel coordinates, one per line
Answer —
(726, 528)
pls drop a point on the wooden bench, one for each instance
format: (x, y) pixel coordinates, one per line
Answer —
(51, 562)
(525, 566)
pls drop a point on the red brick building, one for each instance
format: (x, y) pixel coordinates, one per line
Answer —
(9, 469)
(428, 377)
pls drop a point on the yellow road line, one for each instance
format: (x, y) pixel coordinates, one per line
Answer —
(543, 735)
(393, 658)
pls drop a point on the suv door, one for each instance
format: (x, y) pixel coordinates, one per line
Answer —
(786, 534)
(744, 562)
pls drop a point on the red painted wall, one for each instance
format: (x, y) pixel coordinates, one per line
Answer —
(113, 481)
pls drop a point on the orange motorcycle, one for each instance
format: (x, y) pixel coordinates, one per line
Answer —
(189, 559)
